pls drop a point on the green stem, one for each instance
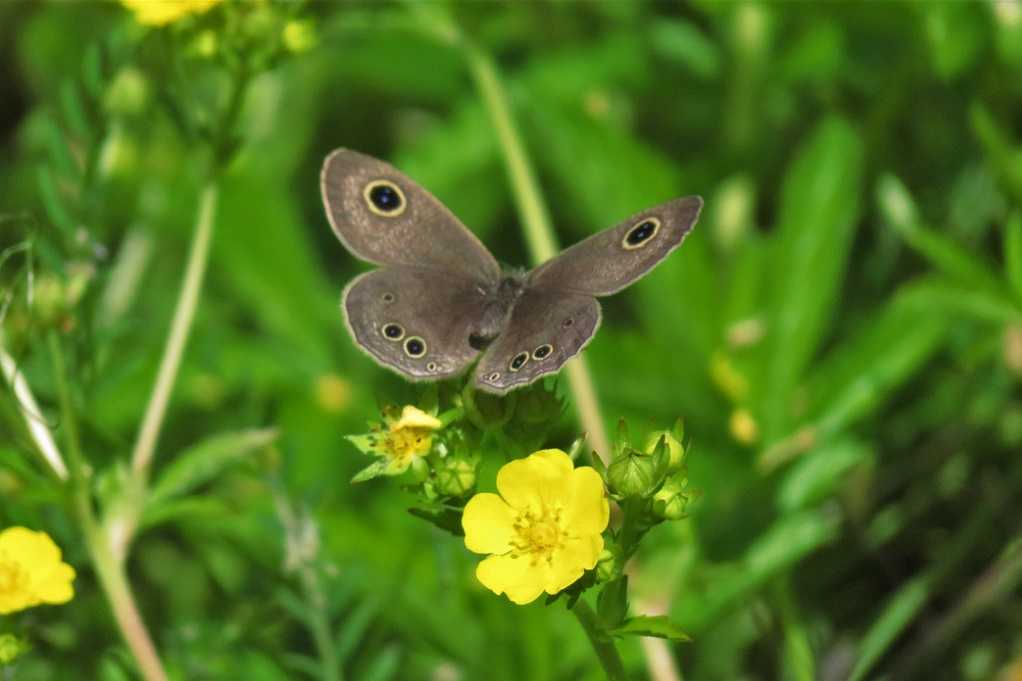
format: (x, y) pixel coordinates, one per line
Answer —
(536, 225)
(320, 624)
(602, 644)
(198, 256)
(108, 569)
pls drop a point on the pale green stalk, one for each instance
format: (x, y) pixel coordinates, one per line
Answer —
(109, 569)
(536, 225)
(184, 313)
(602, 644)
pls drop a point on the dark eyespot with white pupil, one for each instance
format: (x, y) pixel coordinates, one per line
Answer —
(385, 197)
(393, 331)
(641, 233)
(415, 347)
(518, 361)
(543, 351)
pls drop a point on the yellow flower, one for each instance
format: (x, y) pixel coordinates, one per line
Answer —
(31, 572)
(543, 530)
(163, 12)
(400, 442)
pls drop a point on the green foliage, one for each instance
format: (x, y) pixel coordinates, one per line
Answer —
(842, 335)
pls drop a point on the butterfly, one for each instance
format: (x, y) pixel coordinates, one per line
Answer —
(440, 302)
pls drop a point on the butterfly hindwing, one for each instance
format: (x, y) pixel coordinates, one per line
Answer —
(545, 330)
(413, 320)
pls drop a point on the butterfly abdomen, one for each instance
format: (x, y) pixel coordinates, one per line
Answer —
(501, 300)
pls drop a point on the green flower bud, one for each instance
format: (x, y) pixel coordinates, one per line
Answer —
(10, 647)
(128, 94)
(299, 36)
(455, 477)
(672, 440)
(538, 404)
(633, 473)
(671, 500)
(485, 411)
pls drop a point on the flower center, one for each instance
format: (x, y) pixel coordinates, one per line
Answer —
(407, 442)
(12, 578)
(538, 534)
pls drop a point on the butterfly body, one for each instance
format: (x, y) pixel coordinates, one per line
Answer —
(440, 302)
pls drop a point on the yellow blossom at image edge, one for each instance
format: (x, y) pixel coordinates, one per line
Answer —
(543, 530)
(31, 571)
(162, 12)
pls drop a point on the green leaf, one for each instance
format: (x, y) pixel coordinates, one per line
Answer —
(659, 626)
(183, 509)
(818, 214)
(384, 666)
(373, 470)
(817, 474)
(445, 518)
(956, 262)
(1013, 253)
(898, 613)
(857, 376)
(201, 463)
(612, 603)
(781, 546)
(353, 629)
(680, 41)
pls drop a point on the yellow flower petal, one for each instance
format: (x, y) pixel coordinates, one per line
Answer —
(571, 560)
(489, 524)
(516, 577)
(413, 417)
(588, 511)
(55, 587)
(160, 12)
(537, 481)
(31, 571)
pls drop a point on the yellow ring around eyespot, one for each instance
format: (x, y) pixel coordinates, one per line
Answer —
(372, 206)
(383, 331)
(404, 346)
(656, 229)
(511, 365)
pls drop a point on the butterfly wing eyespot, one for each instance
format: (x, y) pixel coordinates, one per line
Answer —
(518, 361)
(415, 347)
(493, 377)
(641, 233)
(431, 366)
(385, 198)
(388, 297)
(542, 352)
(567, 322)
(393, 332)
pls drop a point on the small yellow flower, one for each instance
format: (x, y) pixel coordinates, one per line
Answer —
(163, 12)
(31, 572)
(543, 530)
(400, 441)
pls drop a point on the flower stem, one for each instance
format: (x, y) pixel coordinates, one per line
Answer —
(198, 256)
(539, 234)
(602, 644)
(108, 569)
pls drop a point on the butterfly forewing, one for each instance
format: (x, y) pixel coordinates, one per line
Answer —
(609, 261)
(384, 217)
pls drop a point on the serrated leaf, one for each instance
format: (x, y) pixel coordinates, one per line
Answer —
(659, 626)
(445, 518)
(203, 462)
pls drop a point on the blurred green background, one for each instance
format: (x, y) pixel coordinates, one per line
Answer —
(842, 333)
